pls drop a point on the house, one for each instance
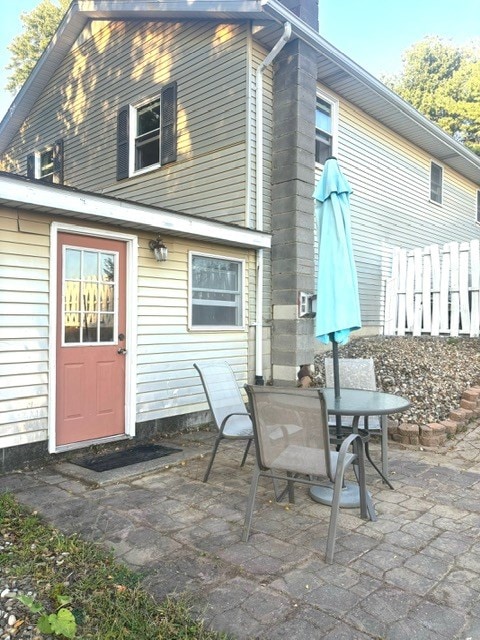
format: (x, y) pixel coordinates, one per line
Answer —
(207, 123)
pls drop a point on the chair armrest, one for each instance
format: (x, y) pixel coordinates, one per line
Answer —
(224, 421)
(346, 444)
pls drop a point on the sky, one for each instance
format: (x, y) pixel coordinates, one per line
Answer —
(373, 33)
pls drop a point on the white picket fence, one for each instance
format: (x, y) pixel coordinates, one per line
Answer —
(434, 291)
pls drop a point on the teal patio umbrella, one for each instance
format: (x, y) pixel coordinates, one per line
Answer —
(338, 305)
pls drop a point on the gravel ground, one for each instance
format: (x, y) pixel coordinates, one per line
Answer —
(431, 372)
(12, 614)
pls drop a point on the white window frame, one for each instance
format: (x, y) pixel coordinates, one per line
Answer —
(115, 283)
(478, 207)
(437, 164)
(39, 160)
(242, 310)
(38, 164)
(131, 323)
(334, 106)
(132, 134)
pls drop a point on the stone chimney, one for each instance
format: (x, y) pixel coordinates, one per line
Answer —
(306, 10)
(293, 181)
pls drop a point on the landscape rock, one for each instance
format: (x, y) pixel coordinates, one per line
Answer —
(432, 372)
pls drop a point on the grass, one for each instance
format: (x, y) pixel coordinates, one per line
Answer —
(106, 598)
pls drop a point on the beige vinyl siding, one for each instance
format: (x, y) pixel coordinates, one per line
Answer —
(258, 54)
(24, 273)
(390, 203)
(167, 383)
(125, 62)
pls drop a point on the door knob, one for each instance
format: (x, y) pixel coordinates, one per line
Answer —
(122, 351)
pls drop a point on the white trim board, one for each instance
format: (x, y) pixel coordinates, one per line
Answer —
(81, 205)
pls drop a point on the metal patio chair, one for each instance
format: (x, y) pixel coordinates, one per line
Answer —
(292, 443)
(230, 415)
(359, 373)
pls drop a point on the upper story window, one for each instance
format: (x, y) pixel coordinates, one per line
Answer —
(47, 165)
(216, 292)
(147, 133)
(478, 206)
(325, 128)
(436, 183)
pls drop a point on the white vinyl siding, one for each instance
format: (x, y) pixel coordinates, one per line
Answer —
(258, 55)
(167, 384)
(390, 204)
(127, 62)
(24, 300)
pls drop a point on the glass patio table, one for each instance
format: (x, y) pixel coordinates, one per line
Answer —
(357, 403)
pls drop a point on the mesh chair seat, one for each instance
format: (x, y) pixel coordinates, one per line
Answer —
(292, 443)
(295, 457)
(229, 413)
(359, 373)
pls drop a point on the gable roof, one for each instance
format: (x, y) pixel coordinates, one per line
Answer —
(334, 69)
(18, 192)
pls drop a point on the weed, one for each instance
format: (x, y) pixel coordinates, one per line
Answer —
(81, 590)
(61, 623)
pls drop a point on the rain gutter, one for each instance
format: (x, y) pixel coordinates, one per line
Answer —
(287, 32)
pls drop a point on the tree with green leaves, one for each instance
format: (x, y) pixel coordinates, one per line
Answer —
(39, 25)
(442, 81)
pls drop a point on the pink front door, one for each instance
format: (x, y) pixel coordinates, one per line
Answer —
(90, 339)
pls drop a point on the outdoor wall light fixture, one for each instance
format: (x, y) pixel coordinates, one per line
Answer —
(160, 251)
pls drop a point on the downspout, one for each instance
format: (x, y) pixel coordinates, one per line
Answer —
(287, 32)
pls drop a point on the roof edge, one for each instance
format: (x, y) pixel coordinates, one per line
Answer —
(59, 199)
(76, 18)
(301, 30)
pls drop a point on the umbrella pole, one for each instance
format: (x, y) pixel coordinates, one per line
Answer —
(336, 386)
(336, 371)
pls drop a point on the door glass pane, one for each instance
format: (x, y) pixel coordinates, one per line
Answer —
(72, 296)
(72, 327)
(106, 327)
(72, 264)
(90, 265)
(89, 329)
(89, 311)
(106, 297)
(89, 296)
(107, 267)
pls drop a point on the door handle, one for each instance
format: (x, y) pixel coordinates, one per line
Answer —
(122, 351)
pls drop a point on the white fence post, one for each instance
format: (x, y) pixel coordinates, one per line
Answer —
(435, 261)
(474, 288)
(434, 290)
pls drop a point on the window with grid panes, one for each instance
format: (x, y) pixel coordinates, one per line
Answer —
(323, 131)
(216, 292)
(436, 183)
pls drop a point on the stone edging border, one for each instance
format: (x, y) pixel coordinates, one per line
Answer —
(435, 434)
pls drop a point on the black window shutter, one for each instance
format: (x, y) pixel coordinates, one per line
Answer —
(122, 143)
(31, 165)
(169, 124)
(58, 162)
